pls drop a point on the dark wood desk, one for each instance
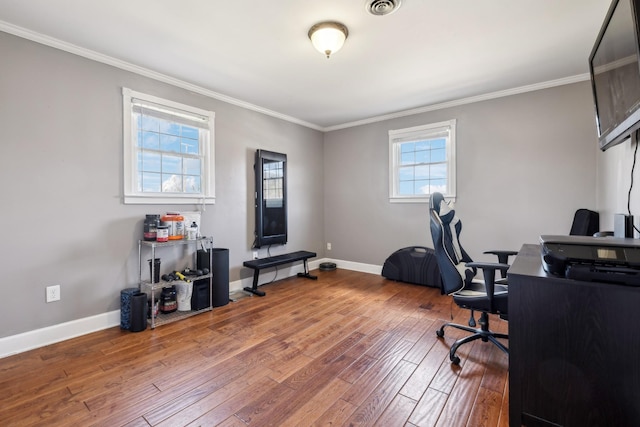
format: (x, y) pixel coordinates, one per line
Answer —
(574, 349)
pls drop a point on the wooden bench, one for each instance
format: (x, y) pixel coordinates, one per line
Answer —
(274, 261)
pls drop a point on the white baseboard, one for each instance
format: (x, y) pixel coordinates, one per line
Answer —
(30, 340)
(239, 285)
(26, 341)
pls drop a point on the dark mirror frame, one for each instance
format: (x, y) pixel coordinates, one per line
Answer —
(270, 198)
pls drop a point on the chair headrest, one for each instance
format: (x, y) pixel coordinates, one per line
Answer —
(444, 209)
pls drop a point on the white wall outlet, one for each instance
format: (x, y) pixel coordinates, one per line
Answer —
(53, 293)
(255, 254)
(328, 246)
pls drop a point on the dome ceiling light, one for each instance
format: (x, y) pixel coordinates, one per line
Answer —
(328, 37)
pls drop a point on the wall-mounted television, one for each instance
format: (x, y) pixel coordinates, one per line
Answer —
(270, 198)
(615, 74)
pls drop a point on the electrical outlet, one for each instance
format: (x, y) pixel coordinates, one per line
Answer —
(328, 246)
(53, 293)
(255, 254)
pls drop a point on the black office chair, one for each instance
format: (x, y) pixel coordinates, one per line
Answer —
(458, 272)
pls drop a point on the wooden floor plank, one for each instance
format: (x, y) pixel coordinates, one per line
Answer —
(215, 409)
(350, 348)
(397, 412)
(336, 415)
(292, 402)
(428, 410)
(310, 411)
(368, 383)
(378, 400)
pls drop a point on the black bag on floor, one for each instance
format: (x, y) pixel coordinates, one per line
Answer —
(415, 264)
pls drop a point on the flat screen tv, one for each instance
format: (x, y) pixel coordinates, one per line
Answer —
(615, 74)
(270, 198)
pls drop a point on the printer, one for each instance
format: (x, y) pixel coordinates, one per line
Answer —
(593, 259)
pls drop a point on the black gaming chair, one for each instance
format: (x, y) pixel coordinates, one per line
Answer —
(458, 272)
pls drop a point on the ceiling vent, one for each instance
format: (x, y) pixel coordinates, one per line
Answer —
(382, 7)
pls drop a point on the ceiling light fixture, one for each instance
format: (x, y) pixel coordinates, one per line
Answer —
(328, 37)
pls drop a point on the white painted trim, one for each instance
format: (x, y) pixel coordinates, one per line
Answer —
(463, 101)
(397, 137)
(123, 65)
(239, 285)
(95, 56)
(130, 151)
(358, 266)
(52, 334)
(30, 340)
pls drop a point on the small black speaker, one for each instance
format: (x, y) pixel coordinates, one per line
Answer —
(220, 270)
(138, 312)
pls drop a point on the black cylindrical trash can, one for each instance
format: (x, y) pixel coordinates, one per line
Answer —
(220, 270)
(138, 312)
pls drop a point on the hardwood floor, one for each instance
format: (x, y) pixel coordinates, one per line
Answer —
(349, 349)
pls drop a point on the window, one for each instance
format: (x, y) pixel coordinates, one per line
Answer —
(168, 151)
(422, 161)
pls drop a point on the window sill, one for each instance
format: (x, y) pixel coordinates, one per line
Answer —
(168, 200)
(417, 199)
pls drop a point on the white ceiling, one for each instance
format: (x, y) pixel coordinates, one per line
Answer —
(257, 52)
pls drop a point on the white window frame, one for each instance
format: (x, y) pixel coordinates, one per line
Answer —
(417, 133)
(131, 193)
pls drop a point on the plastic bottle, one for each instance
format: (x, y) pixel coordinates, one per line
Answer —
(192, 231)
(151, 224)
(175, 222)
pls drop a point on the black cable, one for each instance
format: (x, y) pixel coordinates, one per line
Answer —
(635, 155)
(276, 267)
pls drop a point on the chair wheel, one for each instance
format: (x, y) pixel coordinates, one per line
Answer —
(440, 333)
(455, 360)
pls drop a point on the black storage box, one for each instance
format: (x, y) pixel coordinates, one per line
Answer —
(200, 295)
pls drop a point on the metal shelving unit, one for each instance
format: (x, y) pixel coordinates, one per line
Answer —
(154, 289)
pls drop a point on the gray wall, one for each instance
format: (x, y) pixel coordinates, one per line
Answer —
(61, 167)
(614, 182)
(525, 163)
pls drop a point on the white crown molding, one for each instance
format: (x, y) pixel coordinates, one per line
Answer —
(463, 101)
(123, 65)
(105, 59)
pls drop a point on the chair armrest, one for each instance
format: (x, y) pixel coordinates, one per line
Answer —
(489, 273)
(503, 257)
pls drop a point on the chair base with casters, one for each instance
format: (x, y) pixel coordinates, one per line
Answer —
(483, 333)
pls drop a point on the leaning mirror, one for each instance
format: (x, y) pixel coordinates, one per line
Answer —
(270, 198)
